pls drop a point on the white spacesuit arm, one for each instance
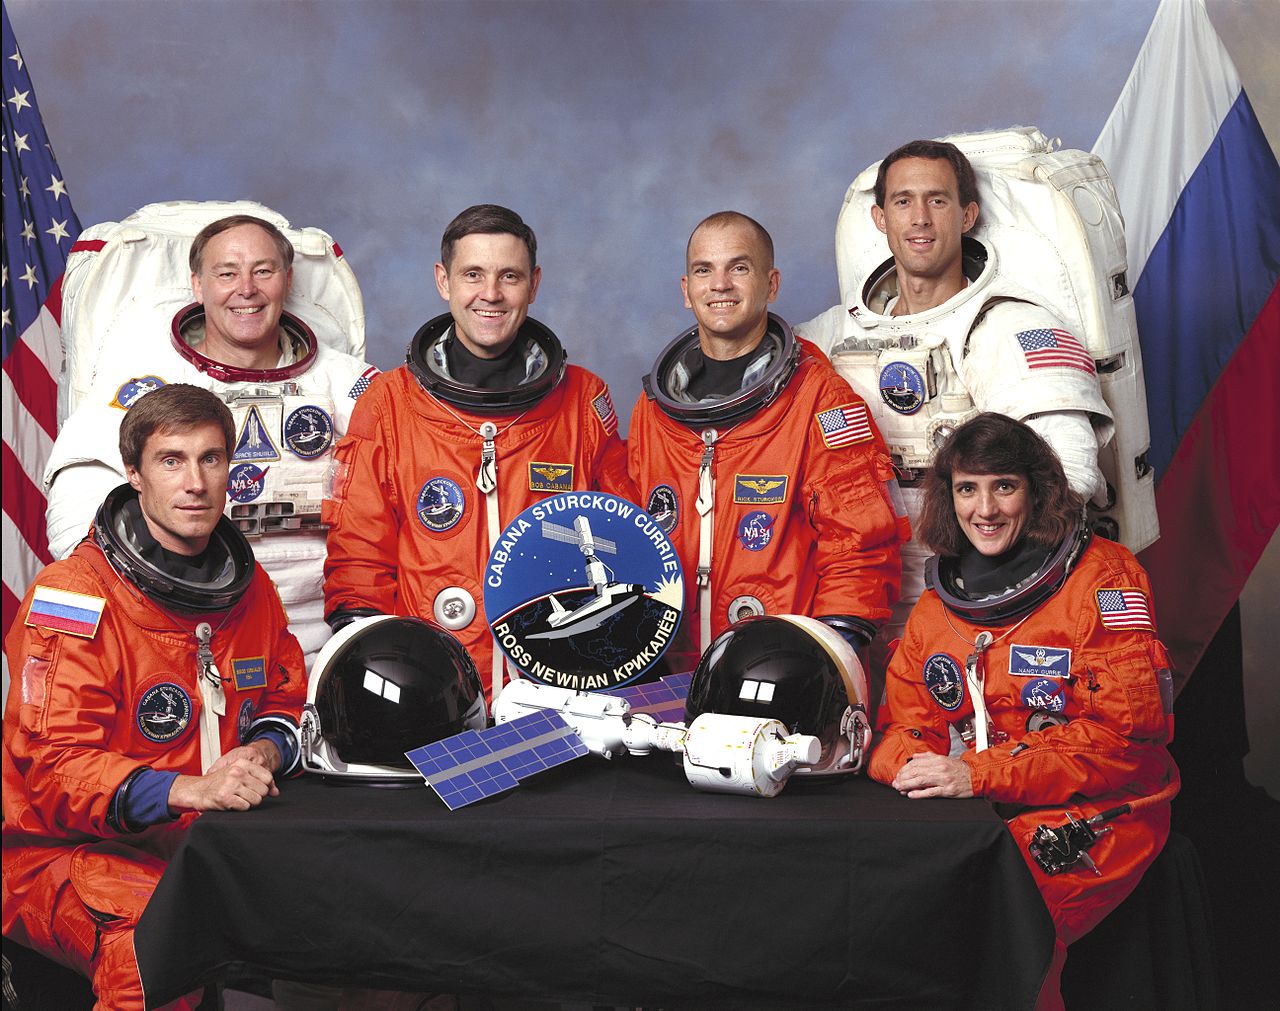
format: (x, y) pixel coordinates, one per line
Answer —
(825, 330)
(1072, 437)
(74, 497)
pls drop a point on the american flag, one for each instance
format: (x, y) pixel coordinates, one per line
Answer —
(604, 411)
(843, 426)
(366, 377)
(39, 228)
(1048, 349)
(1121, 607)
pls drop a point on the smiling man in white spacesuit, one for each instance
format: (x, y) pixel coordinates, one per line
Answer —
(290, 394)
(938, 325)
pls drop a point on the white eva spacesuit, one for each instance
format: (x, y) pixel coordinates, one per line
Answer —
(129, 329)
(1044, 332)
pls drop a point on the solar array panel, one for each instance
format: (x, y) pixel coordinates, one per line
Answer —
(480, 763)
(663, 700)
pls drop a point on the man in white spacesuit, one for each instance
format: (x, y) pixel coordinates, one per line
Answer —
(291, 397)
(936, 334)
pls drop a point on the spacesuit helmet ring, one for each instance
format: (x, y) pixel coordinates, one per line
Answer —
(720, 411)
(793, 669)
(1013, 603)
(547, 357)
(114, 531)
(294, 328)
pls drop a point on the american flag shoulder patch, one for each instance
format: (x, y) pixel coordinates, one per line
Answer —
(1124, 607)
(362, 384)
(66, 611)
(844, 425)
(603, 406)
(1054, 348)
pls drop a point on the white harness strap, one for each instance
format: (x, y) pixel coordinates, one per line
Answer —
(487, 483)
(975, 675)
(706, 510)
(213, 700)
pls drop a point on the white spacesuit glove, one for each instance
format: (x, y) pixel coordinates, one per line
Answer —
(1071, 435)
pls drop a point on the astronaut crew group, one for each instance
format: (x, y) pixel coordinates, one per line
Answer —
(763, 464)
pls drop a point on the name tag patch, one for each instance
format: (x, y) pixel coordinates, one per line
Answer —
(552, 477)
(1039, 661)
(759, 489)
(250, 673)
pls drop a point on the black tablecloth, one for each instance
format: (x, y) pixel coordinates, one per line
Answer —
(610, 883)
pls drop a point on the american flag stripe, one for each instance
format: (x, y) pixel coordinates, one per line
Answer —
(1124, 608)
(1055, 348)
(40, 228)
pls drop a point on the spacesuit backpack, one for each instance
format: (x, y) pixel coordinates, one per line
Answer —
(1052, 224)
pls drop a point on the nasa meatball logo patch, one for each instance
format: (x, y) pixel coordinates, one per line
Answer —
(902, 387)
(755, 530)
(664, 507)
(1045, 694)
(584, 591)
(164, 711)
(308, 432)
(440, 504)
(944, 680)
(246, 482)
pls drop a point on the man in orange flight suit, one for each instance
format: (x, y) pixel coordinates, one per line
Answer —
(761, 463)
(485, 419)
(154, 677)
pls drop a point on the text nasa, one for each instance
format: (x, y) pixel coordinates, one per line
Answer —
(562, 503)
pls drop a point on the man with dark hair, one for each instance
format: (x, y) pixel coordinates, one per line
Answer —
(290, 394)
(485, 419)
(771, 478)
(936, 333)
(154, 677)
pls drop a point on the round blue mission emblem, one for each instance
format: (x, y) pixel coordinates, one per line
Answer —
(945, 681)
(664, 507)
(584, 591)
(163, 712)
(902, 387)
(440, 504)
(308, 432)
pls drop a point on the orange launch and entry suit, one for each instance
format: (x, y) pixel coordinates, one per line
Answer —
(410, 531)
(96, 699)
(1082, 667)
(803, 519)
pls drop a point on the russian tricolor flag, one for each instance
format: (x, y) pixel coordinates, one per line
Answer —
(1200, 190)
(77, 613)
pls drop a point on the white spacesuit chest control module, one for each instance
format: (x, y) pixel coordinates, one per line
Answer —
(1046, 325)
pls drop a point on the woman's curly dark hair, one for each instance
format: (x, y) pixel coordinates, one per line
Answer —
(996, 444)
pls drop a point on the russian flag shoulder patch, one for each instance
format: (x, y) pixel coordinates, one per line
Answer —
(66, 611)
